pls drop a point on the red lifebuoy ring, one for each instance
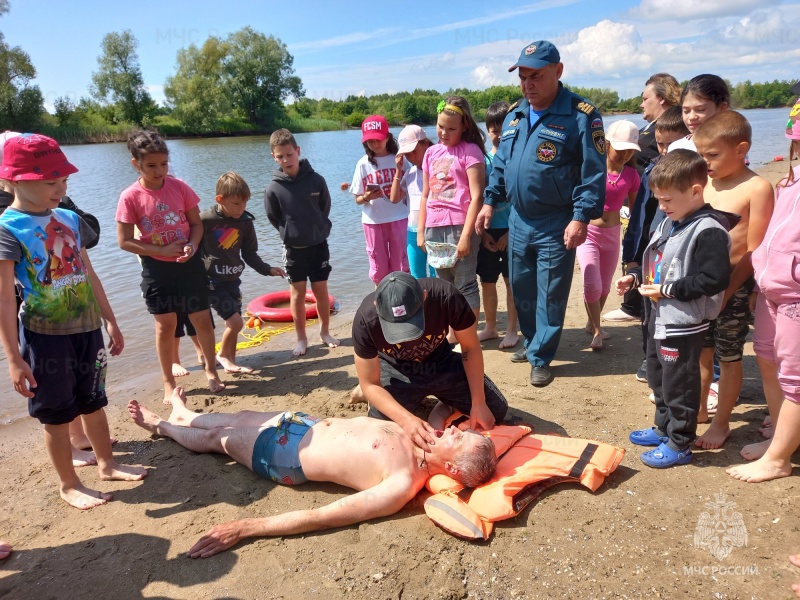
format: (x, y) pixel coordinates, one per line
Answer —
(263, 307)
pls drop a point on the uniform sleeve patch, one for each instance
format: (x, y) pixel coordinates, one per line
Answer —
(599, 139)
(508, 133)
(597, 123)
(546, 152)
(552, 134)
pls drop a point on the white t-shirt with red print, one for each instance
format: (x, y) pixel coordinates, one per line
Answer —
(380, 210)
(159, 215)
(448, 185)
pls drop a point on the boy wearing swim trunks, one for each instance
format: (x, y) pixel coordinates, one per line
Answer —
(298, 204)
(723, 141)
(230, 241)
(60, 362)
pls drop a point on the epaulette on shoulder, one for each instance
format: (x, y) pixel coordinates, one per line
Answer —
(582, 105)
(513, 106)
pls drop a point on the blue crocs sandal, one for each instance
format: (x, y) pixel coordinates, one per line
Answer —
(664, 456)
(647, 437)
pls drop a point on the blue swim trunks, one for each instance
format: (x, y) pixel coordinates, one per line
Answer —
(275, 454)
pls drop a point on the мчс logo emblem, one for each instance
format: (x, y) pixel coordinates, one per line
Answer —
(720, 530)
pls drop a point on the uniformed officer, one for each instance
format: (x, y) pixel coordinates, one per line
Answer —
(551, 166)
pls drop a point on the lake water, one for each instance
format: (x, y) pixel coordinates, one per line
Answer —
(105, 171)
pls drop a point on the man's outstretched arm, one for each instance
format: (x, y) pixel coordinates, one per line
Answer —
(384, 499)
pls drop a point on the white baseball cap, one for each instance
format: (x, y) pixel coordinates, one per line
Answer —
(623, 135)
(408, 138)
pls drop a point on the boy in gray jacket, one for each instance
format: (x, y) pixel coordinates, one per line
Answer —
(685, 271)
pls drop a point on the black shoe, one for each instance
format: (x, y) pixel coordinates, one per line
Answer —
(520, 356)
(541, 376)
(641, 374)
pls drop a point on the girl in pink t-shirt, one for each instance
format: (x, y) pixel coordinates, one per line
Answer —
(598, 255)
(165, 212)
(453, 178)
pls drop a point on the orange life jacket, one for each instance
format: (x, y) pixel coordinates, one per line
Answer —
(528, 464)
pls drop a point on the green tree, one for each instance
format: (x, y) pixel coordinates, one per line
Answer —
(260, 76)
(119, 78)
(198, 91)
(21, 104)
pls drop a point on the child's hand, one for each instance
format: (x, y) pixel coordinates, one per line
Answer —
(502, 243)
(399, 161)
(22, 377)
(188, 250)
(624, 284)
(173, 250)
(462, 250)
(487, 241)
(115, 342)
(421, 240)
(651, 290)
(277, 272)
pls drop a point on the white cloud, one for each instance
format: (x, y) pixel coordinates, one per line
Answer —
(686, 10)
(607, 48)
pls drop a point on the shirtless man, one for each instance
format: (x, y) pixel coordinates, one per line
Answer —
(373, 456)
(723, 141)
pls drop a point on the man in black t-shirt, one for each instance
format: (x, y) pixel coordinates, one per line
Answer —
(402, 355)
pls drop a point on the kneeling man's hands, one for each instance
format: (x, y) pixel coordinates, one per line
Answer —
(481, 418)
(421, 432)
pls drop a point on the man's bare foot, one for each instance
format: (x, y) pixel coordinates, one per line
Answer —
(357, 396)
(118, 472)
(84, 498)
(713, 438)
(144, 417)
(82, 458)
(509, 341)
(329, 340)
(232, 367)
(597, 342)
(5, 550)
(488, 333)
(755, 451)
(300, 348)
(215, 386)
(178, 370)
(764, 469)
(180, 415)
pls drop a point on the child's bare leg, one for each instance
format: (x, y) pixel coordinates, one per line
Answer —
(5, 549)
(297, 305)
(201, 360)
(165, 349)
(774, 395)
(598, 335)
(511, 338)
(730, 384)
(227, 346)
(205, 337)
(72, 491)
(78, 438)
(178, 370)
(795, 560)
(489, 293)
(109, 469)
(320, 291)
(777, 460)
(706, 379)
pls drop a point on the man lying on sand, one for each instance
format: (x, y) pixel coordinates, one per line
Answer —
(373, 456)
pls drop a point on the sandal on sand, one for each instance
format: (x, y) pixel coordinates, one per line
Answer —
(711, 404)
(647, 437)
(664, 456)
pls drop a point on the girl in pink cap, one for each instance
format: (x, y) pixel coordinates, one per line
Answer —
(598, 255)
(776, 333)
(384, 221)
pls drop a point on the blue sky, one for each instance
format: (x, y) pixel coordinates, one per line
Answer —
(393, 46)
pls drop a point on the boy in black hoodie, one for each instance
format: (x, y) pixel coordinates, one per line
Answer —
(229, 241)
(298, 204)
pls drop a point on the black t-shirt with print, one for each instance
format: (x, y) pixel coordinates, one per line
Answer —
(444, 307)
